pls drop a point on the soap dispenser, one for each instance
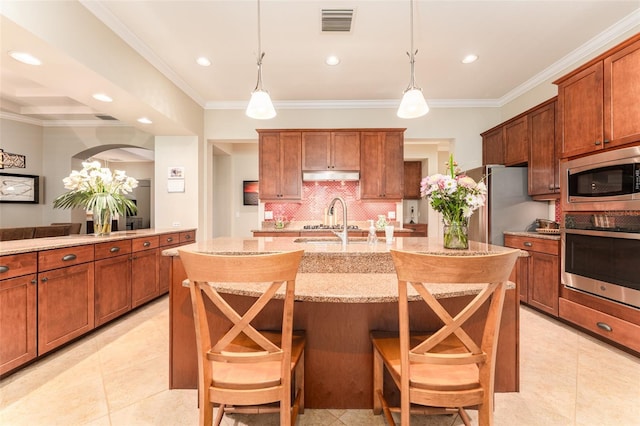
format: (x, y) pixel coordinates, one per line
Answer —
(372, 238)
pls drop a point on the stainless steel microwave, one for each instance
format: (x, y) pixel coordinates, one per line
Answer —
(604, 181)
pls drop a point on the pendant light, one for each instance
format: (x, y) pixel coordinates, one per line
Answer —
(260, 105)
(413, 104)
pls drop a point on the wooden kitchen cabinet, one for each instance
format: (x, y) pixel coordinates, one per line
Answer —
(543, 271)
(382, 165)
(164, 262)
(412, 179)
(598, 103)
(331, 150)
(65, 295)
(516, 142)
(419, 229)
(280, 167)
(544, 173)
(18, 314)
(112, 280)
(493, 146)
(144, 270)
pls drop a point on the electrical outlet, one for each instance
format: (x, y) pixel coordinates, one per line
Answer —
(268, 215)
(391, 215)
(175, 224)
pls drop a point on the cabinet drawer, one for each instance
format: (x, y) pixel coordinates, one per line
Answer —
(59, 258)
(610, 327)
(188, 237)
(145, 243)
(540, 245)
(169, 239)
(112, 249)
(14, 265)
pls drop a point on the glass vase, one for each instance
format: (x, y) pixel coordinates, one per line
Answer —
(456, 234)
(102, 222)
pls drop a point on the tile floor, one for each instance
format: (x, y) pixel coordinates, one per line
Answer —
(118, 376)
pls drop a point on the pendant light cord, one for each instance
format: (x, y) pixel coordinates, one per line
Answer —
(260, 54)
(412, 59)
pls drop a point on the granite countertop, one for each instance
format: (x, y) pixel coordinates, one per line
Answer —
(333, 273)
(298, 226)
(49, 243)
(540, 235)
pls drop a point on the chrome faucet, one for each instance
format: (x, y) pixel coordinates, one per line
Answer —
(343, 235)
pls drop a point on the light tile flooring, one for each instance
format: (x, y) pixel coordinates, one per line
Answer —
(118, 376)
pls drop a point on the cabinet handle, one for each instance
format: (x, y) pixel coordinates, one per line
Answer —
(44, 280)
(169, 239)
(114, 249)
(556, 187)
(604, 326)
(33, 281)
(4, 269)
(146, 244)
(598, 143)
(528, 244)
(69, 257)
(187, 237)
(551, 187)
(606, 141)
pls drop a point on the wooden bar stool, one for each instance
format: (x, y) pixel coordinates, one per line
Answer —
(443, 371)
(247, 368)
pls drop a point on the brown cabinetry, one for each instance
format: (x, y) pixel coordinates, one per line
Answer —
(112, 280)
(419, 230)
(493, 146)
(18, 314)
(65, 295)
(382, 165)
(280, 171)
(597, 103)
(144, 270)
(164, 263)
(412, 178)
(544, 182)
(540, 286)
(516, 142)
(336, 150)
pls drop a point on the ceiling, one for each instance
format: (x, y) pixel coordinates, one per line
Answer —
(519, 44)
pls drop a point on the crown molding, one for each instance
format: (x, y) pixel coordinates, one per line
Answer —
(20, 118)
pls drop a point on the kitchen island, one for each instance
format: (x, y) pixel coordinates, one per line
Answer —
(342, 292)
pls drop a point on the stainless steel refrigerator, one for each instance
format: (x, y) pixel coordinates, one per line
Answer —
(508, 206)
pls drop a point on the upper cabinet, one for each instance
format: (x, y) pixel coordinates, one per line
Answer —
(598, 104)
(493, 146)
(382, 164)
(516, 143)
(335, 150)
(543, 156)
(280, 170)
(412, 179)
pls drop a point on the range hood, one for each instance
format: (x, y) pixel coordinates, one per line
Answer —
(329, 175)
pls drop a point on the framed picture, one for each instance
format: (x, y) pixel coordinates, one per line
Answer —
(176, 173)
(19, 188)
(250, 192)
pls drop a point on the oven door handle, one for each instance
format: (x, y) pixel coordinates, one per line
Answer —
(611, 234)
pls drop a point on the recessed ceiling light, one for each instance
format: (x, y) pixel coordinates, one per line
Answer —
(332, 60)
(102, 97)
(144, 120)
(25, 58)
(203, 61)
(469, 59)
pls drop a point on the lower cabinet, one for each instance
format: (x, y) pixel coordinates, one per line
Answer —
(112, 280)
(144, 270)
(539, 279)
(419, 229)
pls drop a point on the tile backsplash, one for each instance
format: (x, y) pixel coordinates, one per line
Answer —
(316, 196)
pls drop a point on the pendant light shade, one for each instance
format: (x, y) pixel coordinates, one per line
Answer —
(260, 105)
(413, 104)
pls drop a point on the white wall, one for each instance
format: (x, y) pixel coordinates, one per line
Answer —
(24, 139)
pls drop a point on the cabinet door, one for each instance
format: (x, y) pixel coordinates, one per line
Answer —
(493, 147)
(544, 282)
(516, 144)
(269, 157)
(144, 276)
(381, 165)
(412, 178)
(18, 342)
(112, 288)
(370, 165)
(316, 150)
(65, 305)
(393, 165)
(580, 106)
(290, 165)
(621, 95)
(543, 161)
(345, 151)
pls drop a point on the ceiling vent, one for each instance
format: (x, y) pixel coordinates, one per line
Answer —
(106, 117)
(337, 20)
